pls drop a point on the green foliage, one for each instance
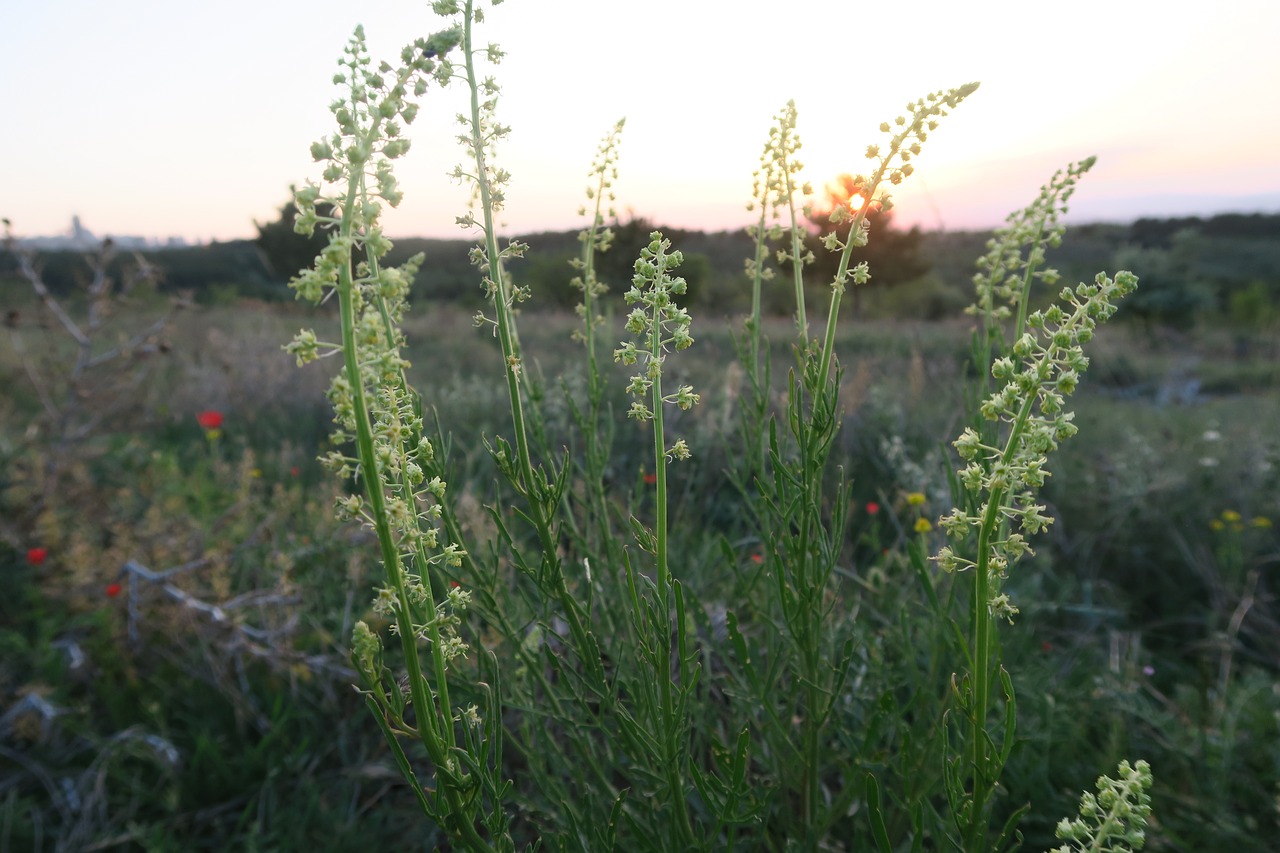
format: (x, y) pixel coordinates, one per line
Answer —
(1253, 307)
(644, 682)
(1170, 297)
(926, 298)
(1113, 584)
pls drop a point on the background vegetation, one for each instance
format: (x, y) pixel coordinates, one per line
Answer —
(173, 664)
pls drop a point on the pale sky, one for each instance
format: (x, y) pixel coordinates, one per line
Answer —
(173, 117)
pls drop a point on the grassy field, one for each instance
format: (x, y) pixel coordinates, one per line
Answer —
(210, 708)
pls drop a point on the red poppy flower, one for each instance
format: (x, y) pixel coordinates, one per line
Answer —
(295, 471)
(1046, 646)
(872, 507)
(113, 589)
(757, 558)
(650, 479)
(36, 556)
(210, 419)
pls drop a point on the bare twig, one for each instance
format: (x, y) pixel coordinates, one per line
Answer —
(243, 637)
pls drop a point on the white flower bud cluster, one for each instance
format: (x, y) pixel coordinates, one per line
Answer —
(403, 454)
(366, 650)
(445, 618)
(1046, 367)
(1113, 819)
(482, 132)
(479, 257)
(774, 187)
(893, 164)
(1017, 250)
(358, 170)
(359, 153)
(596, 237)
(660, 325)
(470, 716)
(773, 184)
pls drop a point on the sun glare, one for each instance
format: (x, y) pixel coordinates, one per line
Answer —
(843, 190)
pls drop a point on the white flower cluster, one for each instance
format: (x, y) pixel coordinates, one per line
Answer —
(906, 136)
(1017, 250)
(373, 406)
(1036, 373)
(1046, 367)
(597, 237)
(660, 324)
(369, 136)
(774, 189)
(1113, 819)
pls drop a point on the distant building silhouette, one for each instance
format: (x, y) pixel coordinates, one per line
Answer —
(79, 234)
(79, 239)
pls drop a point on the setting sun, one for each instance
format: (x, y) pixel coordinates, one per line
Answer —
(845, 190)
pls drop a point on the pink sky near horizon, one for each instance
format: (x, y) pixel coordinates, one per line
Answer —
(159, 119)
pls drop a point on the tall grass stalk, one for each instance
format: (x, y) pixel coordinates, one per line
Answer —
(815, 430)
(894, 164)
(377, 411)
(540, 493)
(661, 326)
(596, 238)
(773, 190)
(1006, 454)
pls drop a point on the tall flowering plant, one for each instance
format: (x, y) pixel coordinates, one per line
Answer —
(639, 717)
(1005, 457)
(379, 418)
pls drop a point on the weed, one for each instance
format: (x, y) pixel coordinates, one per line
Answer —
(647, 707)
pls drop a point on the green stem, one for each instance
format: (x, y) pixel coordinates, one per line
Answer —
(595, 457)
(983, 633)
(502, 295)
(982, 674)
(837, 289)
(812, 727)
(806, 631)
(671, 726)
(797, 265)
(1026, 285)
(762, 252)
(589, 284)
(855, 227)
(529, 482)
(436, 726)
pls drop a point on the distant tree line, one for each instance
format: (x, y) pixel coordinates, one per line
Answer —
(1159, 233)
(219, 270)
(1225, 266)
